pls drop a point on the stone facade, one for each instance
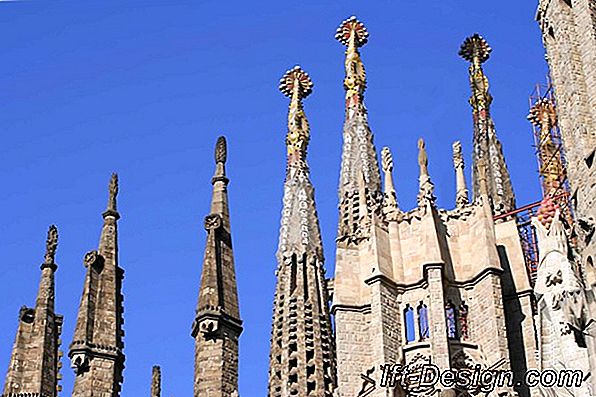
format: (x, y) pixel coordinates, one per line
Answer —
(429, 285)
(569, 36)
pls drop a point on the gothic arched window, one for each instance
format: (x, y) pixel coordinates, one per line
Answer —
(409, 323)
(463, 321)
(423, 328)
(451, 320)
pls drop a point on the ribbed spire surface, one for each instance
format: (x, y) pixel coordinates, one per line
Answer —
(217, 325)
(96, 351)
(488, 152)
(302, 352)
(358, 154)
(35, 360)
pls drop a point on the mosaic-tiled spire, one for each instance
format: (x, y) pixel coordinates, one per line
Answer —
(358, 155)
(488, 152)
(302, 352)
(96, 352)
(217, 325)
(35, 359)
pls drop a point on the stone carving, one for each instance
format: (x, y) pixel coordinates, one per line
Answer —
(212, 221)
(91, 258)
(156, 381)
(563, 314)
(461, 197)
(390, 205)
(113, 192)
(297, 85)
(426, 191)
(221, 151)
(51, 244)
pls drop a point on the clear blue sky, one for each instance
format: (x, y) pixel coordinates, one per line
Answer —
(145, 87)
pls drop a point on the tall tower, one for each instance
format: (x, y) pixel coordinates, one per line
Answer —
(217, 325)
(569, 36)
(96, 350)
(362, 246)
(488, 153)
(429, 285)
(302, 350)
(359, 157)
(35, 359)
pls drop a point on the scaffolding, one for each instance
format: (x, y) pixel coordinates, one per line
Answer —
(552, 165)
(552, 172)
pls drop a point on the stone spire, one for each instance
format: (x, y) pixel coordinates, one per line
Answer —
(358, 154)
(156, 381)
(35, 360)
(488, 152)
(461, 195)
(217, 325)
(426, 187)
(302, 350)
(96, 352)
(390, 204)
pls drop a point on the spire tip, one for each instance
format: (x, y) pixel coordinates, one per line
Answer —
(51, 245)
(349, 27)
(296, 80)
(475, 47)
(221, 150)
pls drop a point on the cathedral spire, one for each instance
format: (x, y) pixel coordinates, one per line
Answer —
(302, 353)
(358, 154)
(35, 360)
(96, 351)
(461, 195)
(488, 152)
(300, 226)
(390, 204)
(217, 325)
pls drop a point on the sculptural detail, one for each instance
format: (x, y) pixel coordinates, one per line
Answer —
(297, 85)
(51, 245)
(426, 191)
(353, 34)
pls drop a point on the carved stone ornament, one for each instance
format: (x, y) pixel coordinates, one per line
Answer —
(212, 222)
(209, 326)
(91, 258)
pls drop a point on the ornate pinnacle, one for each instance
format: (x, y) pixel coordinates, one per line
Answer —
(297, 85)
(221, 151)
(113, 192)
(390, 200)
(475, 49)
(296, 82)
(543, 115)
(458, 158)
(353, 34)
(51, 244)
(426, 192)
(156, 381)
(461, 197)
(387, 160)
